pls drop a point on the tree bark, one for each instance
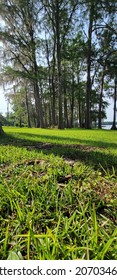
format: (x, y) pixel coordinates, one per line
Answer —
(57, 12)
(88, 85)
(72, 97)
(100, 100)
(66, 122)
(38, 105)
(79, 103)
(1, 130)
(27, 108)
(49, 70)
(114, 109)
(53, 88)
(52, 80)
(79, 112)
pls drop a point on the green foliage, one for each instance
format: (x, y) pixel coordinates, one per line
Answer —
(3, 120)
(72, 48)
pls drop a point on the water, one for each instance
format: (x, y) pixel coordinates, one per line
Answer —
(107, 126)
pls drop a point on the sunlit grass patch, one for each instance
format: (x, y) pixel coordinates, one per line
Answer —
(57, 203)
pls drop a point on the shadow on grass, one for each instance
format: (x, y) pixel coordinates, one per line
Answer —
(88, 151)
(58, 139)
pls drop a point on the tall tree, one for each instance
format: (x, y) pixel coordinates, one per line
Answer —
(59, 14)
(115, 105)
(98, 14)
(59, 66)
(20, 38)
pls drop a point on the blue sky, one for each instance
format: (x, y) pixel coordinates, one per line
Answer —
(3, 106)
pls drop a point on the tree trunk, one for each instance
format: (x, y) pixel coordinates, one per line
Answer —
(53, 89)
(60, 124)
(79, 112)
(100, 100)
(37, 111)
(72, 98)
(66, 122)
(50, 115)
(1, 130)
(79, 103)
(27, 108)
(115, 109)
(88, 85)
(38, 105)
(46, 115)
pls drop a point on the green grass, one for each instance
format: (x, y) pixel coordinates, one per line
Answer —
(58, 200)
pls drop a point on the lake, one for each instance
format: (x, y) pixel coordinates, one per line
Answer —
(107, 126)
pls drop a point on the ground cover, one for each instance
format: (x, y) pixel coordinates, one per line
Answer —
(58, 194)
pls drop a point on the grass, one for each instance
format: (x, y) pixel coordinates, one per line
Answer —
(58, 194)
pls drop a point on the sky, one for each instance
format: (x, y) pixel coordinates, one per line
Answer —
(3, 106)
(109, 111)
(3, 103)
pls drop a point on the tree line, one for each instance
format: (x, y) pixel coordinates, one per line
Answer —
(59, 61)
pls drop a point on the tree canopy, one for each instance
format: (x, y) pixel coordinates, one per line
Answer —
(57, 58)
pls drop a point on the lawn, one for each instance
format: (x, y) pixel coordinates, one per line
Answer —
(58, 194)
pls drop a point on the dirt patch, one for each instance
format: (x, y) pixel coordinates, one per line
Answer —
(46, 146)
(40, 146)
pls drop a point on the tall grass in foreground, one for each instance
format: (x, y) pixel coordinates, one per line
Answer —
(52, 208)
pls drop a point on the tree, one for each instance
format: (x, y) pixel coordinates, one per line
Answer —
(55, 66)
(20, 40)
(97, 12)
(1, 130)
(112, 71)
(115, 106)
(59, 15)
